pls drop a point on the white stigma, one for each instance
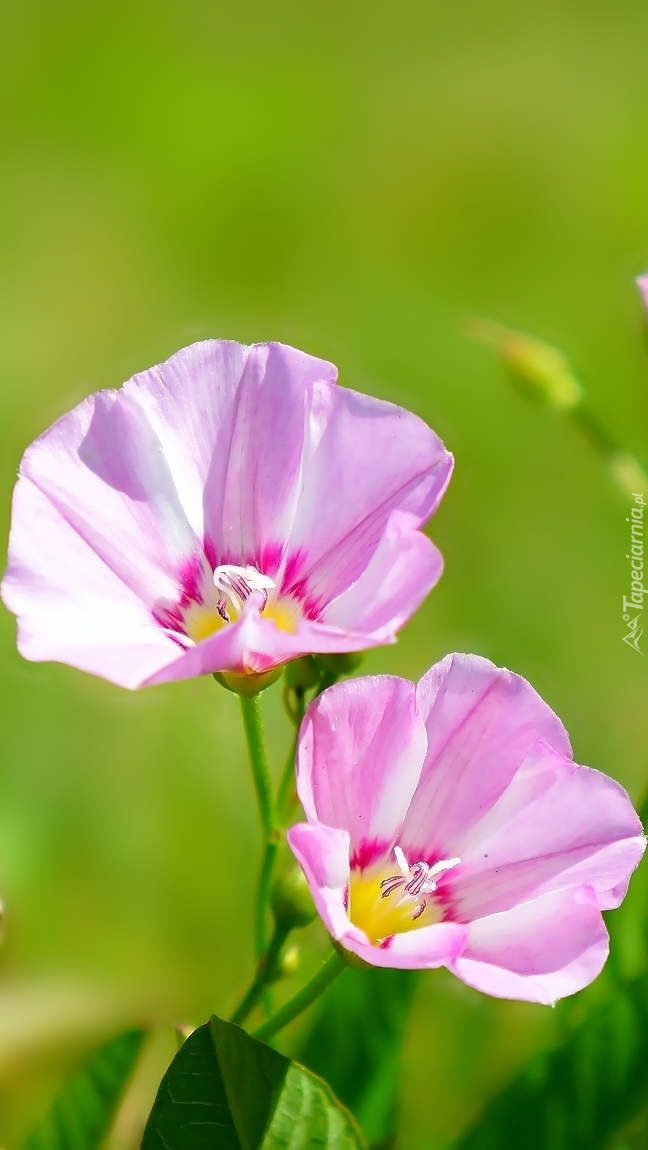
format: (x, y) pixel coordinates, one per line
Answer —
(416, 880)
(238, 583)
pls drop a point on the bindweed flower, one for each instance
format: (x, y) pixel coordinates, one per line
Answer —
(226, 511)
(449, 826)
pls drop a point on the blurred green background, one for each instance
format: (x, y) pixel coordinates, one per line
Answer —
(358, 179)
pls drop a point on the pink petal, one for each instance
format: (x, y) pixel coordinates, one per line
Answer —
(190, 403)
(232, 420)
(102, 469)
(323, 854)
(557, 825)
(71, 605)
(642, 282)
(402, 570)
(539, 951)
(360, 751)
(423, 949)
(481, 723)
(363, 459)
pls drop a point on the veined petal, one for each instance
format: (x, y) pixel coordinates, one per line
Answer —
(481, 723)
(190, 403)
(71, 605)
(265, 456)
(539, 951)
(425, 949)
(233, 421)
(363, 459)
(323, 854)
(556, 825)
(102, 468)
(402, 570)
(360, 751)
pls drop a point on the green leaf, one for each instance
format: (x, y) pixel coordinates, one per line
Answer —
(82, 1113)
(226, 1091)
(582, 1094)
(356, 1040)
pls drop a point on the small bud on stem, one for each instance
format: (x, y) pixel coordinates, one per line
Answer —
(291, 901)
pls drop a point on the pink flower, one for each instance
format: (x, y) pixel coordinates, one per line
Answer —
(449, 826)
(226, 511)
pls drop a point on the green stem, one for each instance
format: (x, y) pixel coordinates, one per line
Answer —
(263, 892)
(251, 711)
(317, 985)
(594, 431)
(286, 790)
(329, 679)
(264, 975)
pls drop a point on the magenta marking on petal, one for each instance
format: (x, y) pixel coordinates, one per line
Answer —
(295, 585)
(191, 577)
(297, 589)
(312, 608)
(270, 559)
(294, 563)
(445, 906)
(170, 620)
(167, 616)
(368, 853)
(385, 943)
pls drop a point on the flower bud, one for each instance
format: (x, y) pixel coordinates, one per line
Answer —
(302, 673)
(291, 900)
(287, 964)
(539, 370)
(340, 664)
(628, 472)
(247, 683)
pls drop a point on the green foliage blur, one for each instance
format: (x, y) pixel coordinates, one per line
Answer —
(359, 179)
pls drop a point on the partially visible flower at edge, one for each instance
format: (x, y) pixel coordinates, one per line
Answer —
(449, 826)
(226, 511)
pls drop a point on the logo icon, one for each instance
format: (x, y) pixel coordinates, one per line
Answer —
(635, 631)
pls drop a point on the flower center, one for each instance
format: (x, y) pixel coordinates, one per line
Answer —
(237, 584)
(224, 602)
(384, 903)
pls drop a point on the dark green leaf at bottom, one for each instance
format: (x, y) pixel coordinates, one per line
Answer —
(226, 1091)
